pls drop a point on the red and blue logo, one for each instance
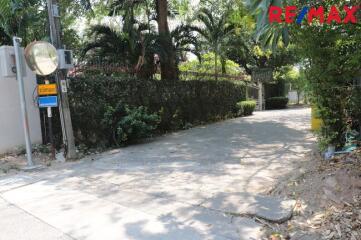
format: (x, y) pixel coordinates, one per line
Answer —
(292, 14)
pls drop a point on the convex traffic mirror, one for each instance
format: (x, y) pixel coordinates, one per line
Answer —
(41, 57)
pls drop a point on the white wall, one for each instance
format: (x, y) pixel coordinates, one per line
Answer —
(11, 128)
(292, 96)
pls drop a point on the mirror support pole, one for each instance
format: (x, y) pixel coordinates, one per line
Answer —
(19, 74)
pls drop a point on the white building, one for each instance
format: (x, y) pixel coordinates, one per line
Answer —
(11, 128)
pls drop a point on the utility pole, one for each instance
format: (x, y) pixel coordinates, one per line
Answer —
(60, 75)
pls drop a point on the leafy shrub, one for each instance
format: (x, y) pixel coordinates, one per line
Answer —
(207, 65)
(246, 108)
(179, 104)
(276, 103)
(340, 114)
(129, 124)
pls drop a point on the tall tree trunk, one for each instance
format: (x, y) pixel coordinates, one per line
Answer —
(169, 68)
(223, 63)
(216, 65)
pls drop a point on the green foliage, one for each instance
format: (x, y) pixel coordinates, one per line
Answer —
(112, 45)
(137, 125)
(129, 124)
(275, 89)
(331, 64)
(297, 80)
(134, 46)
(276, 103)
(169, 46)
(331, 68)
(270, 35)
(353, 107)
(246, 108)
(249, 54)
(207, 65)
(293, 76)
(215, 32)
(28, 19)
(95, 99)
(240, 46)
(21, 18)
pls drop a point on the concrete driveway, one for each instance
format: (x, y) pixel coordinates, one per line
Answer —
(209, 182)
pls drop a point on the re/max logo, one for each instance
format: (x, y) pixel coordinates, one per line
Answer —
(291, 14)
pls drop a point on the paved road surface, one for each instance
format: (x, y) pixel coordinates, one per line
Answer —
(203, 183)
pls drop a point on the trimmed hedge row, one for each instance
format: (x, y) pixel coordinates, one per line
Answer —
(178, 104)
(276, 103)
(246, 108)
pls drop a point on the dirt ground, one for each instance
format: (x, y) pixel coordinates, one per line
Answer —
(328, 195)
(13, 162)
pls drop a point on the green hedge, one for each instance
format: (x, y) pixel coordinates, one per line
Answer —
(276, 103)
(246, 108)
(178, 104)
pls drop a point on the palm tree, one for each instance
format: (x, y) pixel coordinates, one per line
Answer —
(137, 42)
(266, 33)
(111, 44)
(136, 48)
(168, 58)
(169, 67)
(184, 40)
(137, 33)
(129, 49)
(216, 31)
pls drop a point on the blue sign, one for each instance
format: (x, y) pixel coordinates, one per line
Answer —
(51, 101)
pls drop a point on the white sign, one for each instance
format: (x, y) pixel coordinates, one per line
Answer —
(63, 85)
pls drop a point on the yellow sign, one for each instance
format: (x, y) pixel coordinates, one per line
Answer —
(47, 89)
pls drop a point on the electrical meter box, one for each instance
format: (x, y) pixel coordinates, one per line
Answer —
(8, 63)
(65, 59)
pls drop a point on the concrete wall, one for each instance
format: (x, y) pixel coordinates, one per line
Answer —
(292, 96)
(11, 128)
